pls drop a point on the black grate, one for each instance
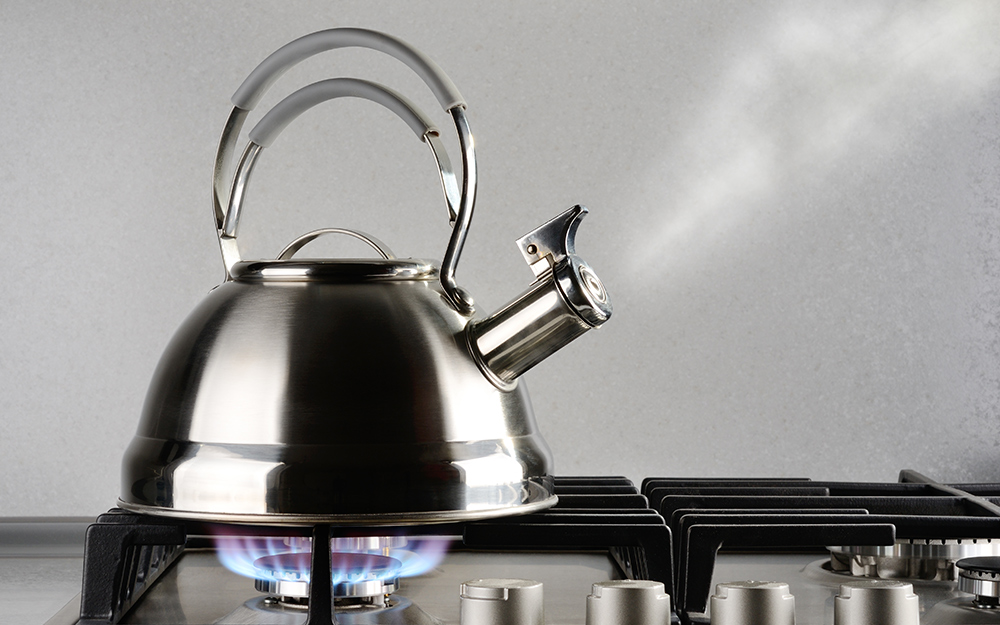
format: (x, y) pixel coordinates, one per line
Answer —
(706, 515)
(126, 552)
(611, 515)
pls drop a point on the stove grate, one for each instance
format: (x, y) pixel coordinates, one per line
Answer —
(126, 552)
(707, 515)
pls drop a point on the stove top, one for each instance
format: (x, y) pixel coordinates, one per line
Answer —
(724, 550)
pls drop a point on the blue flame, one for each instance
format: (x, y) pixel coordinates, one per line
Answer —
(414, 557)
(238, 553)
(422, 555)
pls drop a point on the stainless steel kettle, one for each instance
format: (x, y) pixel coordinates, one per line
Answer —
(356, 391)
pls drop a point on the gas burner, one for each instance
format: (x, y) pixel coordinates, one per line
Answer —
(931, 560)
(370, 544)
(981, 577)
(355, 544)
(359, 579)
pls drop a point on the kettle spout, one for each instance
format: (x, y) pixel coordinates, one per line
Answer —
(566, 299)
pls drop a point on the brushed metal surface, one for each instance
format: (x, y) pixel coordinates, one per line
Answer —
(180, 597)
(199, 590)
(760, 603)
(309, 400)
(502, 601)
(628, 602)
(886, 602)
(525, 332)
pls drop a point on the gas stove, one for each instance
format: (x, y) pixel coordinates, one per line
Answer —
(684, 550)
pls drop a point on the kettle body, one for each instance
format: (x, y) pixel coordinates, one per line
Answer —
(355, 391)
(349, 399)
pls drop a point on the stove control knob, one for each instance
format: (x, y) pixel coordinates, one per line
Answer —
(981, 577)
(752, 603)
(628, 602)
(876, 602)
(502, 602)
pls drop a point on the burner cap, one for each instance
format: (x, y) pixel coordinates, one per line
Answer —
(989, 565)
(911, 558)
(981, 577)
(354, 574)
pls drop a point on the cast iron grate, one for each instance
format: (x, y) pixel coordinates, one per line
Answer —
(707, 515)
(125, 553)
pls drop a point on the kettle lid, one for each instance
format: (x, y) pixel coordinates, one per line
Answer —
(335, 270)
(285, 268)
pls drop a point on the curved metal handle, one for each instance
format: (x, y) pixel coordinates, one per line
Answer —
(283, 113)
(460, 202)
(296, 245)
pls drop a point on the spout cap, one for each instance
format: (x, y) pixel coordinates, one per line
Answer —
(551, 248)
(584, 291)
(552, 241)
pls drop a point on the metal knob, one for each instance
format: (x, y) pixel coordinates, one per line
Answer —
(753, 603)
(981, 577)
(628, 602)
(876, 602)
(502, 602)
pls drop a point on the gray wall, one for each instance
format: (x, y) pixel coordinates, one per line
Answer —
(794, 208)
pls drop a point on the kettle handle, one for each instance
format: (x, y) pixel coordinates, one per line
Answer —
(281, 60)
(250, 92)
(284, 112)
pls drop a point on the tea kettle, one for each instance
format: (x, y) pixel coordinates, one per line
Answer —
(356, 391)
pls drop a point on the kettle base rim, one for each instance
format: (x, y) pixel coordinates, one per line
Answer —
(541, 499)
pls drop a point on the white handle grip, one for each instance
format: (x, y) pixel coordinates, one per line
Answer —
(271, 68)
(278, 118)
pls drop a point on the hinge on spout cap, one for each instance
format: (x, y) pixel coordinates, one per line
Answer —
(553, 241)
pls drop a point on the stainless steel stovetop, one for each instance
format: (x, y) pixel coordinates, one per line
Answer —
(200, 591)
(41, 562)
